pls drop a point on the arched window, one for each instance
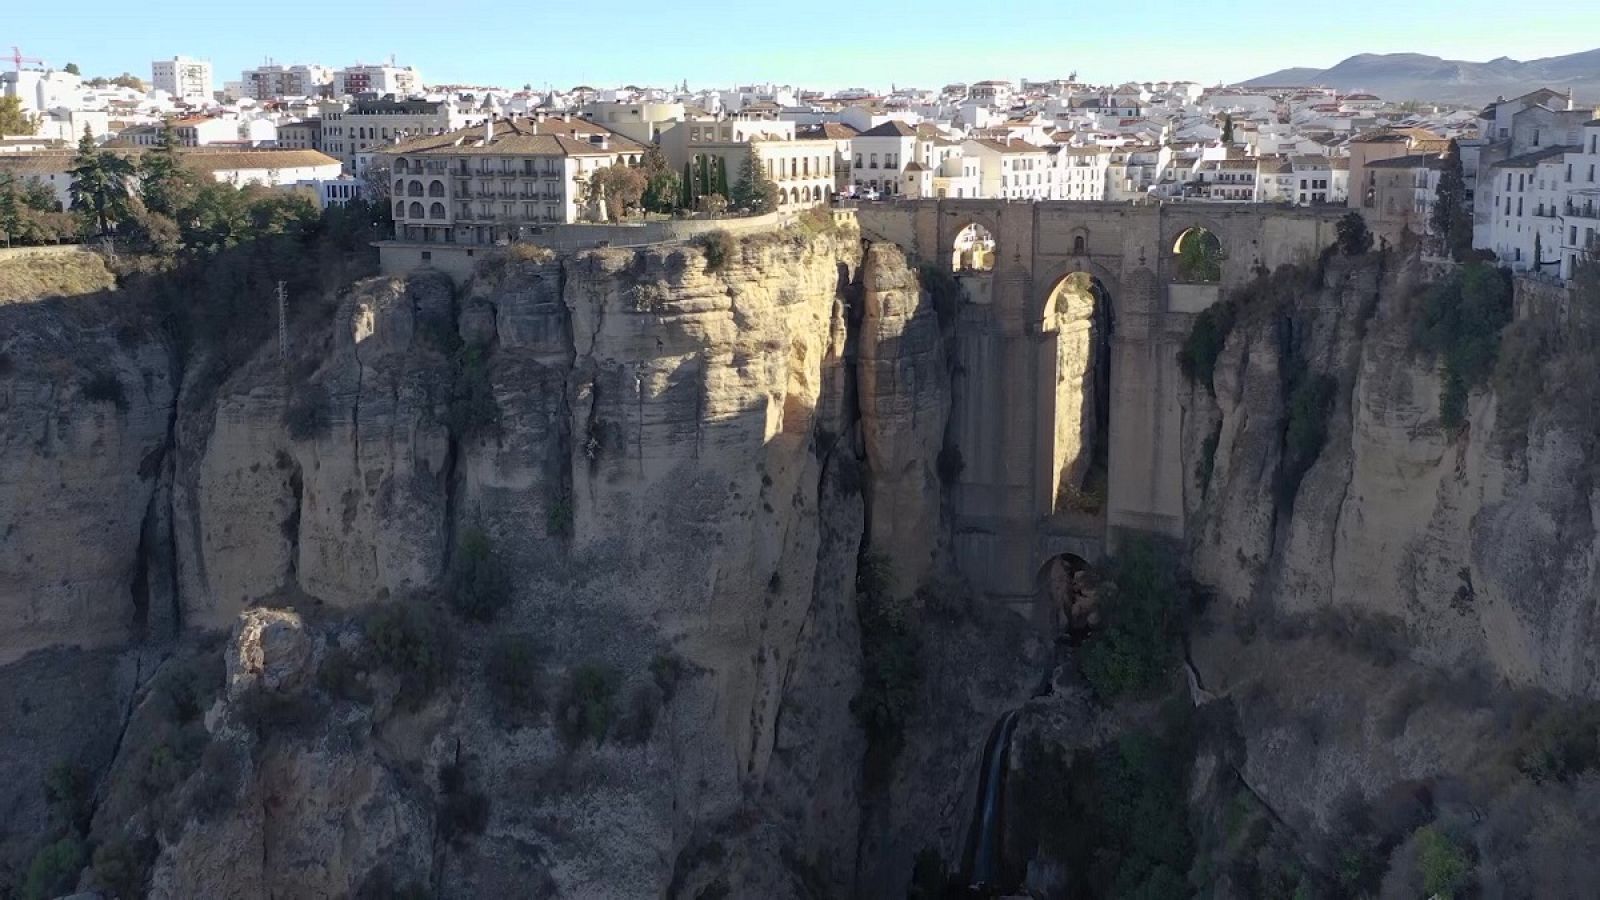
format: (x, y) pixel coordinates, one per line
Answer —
(1200, 256)
(436, 188)
(414, 189)
(401, 167)
(399, 187)
(973, 250)
(1079, 244)
(436, 211)
(399, 209)
(416, 210)
(805, 166)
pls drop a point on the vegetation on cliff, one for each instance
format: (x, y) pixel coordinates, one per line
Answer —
(1458, 322)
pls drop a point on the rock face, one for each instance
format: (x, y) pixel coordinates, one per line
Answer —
(1484, 552)
(675, 459)
(86, 401)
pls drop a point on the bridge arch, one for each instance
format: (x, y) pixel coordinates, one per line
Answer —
(973, 249)
(1077, 323)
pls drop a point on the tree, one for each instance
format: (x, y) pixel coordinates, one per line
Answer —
(1227, 130)
(1451, 220)
(687, 185)
(10, 208)
(100, 184)
(71, 69)
(1354, 237)
(619, 187)
(662, 192)
(755, 193)
(722, 177)
(129, 81)
(165, 185)
(13, 120)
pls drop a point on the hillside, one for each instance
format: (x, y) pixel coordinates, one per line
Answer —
(1414, 76)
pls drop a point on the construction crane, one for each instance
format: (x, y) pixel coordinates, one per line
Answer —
(17, 59)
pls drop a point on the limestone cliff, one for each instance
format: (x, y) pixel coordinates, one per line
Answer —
(1480, 544)
(673, 455)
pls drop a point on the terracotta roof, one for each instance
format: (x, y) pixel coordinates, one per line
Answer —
(837, 131)
(521, 137)
(1016, 146)
(891, 128)
(916, 167)
(1415, 161)
(1529, 160)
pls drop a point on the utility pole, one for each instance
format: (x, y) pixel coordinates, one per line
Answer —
(283, 324)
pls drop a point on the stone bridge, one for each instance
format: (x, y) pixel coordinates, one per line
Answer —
(1047, 357)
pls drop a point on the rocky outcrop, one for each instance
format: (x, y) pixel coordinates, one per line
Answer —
(1484, 553)
(86, 400)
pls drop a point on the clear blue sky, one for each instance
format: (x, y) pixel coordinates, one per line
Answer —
(828, 44)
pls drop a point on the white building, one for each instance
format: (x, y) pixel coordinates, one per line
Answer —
(188, 80)
(41, 90)
(381, 80)
(274, 82)
(267, 168)
(1011, 170)
(879, 156)
(370, 126)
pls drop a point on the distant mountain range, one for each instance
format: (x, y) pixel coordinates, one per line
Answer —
(1413, 76)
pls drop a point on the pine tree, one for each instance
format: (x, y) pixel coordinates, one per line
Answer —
(165, 185)
(1451, 221)
(10, 208)
(755, 192)
(100, 181)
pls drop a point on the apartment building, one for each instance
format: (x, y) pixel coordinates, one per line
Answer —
(492, 183)
(802, 168)
(355, 80)
(355, 133)
(188, 80)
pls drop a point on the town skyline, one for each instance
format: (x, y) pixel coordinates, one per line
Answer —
(880, 49)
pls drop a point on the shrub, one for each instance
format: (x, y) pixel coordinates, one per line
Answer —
(558, 517)
(267, 713)
(718, 247)
(120, 866)
(588, 704)
(413, 642)
(1446, 869)
(526, 251)
(103, 387)
(1563, 744)
(479, 585)
(70, 795)
(1354, 238)
(1198, 357)
(891, 666)
(1305, 429)
(473, 408)
(1136, 649)
(54, 870)
(516, 679)
(217, 786)
(1459, 322)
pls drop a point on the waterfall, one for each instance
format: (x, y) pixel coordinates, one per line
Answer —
(981, 864)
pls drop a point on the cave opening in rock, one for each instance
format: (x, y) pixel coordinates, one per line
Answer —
(1067, 587)
(973, 250)
(1079, 313)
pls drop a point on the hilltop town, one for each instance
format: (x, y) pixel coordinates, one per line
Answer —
(1528, 163)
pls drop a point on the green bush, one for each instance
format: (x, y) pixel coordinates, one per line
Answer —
(479, 585)
(1117, 816)
(1198, 356)
(588, 706)
(1562, 744)
(1354, 236)
(69, 791)
(1311, 399)
(120, 867)
(54, 870)
(516, 679)
(1446, 868)
(103, 387)
(1458, 322)
(891, 666)
(719, 247)
(413, 642)
(473, 409)
(1137, 648)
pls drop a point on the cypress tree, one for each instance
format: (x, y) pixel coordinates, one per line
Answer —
(705, 177)
(686, 201)
(722, 177)
(1450, 221)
